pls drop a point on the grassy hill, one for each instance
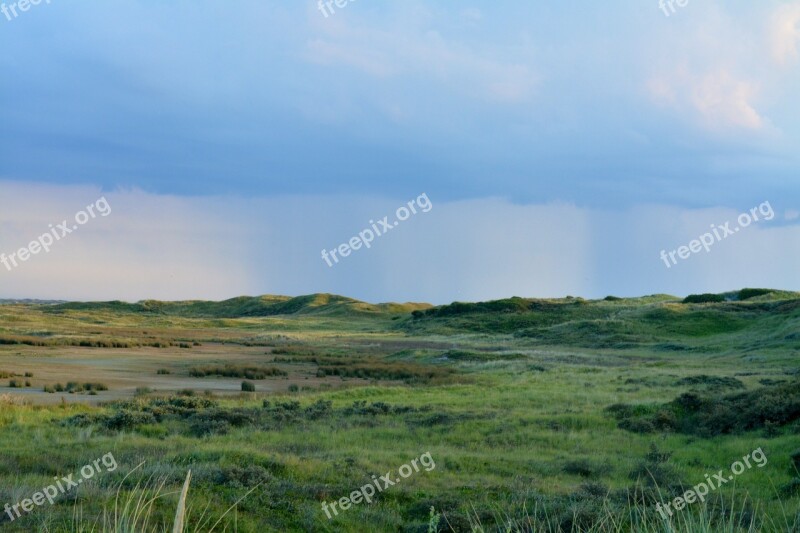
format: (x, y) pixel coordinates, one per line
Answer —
(552, 415)
(245, 306)
(766, 320)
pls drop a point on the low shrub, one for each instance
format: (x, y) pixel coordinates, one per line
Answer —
(127, 420)
(243, 477)
(463, 355)
(711, 381)
(219, 421)
(376, 369)
(655, 470)
(236, 371)
(791, 489)
(706, 416)
(73, 387)
(585, 468)
(746, 294)
(703, 298)
(795, 457)
(248, 386)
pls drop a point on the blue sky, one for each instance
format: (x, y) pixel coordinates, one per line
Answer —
(609, 111)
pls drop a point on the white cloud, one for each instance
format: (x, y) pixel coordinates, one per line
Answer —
(785, 33)
(715, 98)
(500, 74)
(163, 246)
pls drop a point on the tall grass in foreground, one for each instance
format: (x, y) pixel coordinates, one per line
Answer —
(135, 512)
(639, 518)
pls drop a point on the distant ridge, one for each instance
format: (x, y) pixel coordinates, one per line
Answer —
(247, 306)
(341, 306)
(28, 301)
(765, 318)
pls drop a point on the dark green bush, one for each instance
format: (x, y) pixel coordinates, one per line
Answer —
(237, 371)
(711, 381)
(203, 427)
(746, 294)
(703, 298)
(690, 413)
(791, 489)
(318, 409)
(655, 470)
(637, 425)
(248, 386)
(795, 457)
(464, 355)
(585, 468)
(127, 420)
(214, 421)
(75, 387)
(408, 372)
(247, 477)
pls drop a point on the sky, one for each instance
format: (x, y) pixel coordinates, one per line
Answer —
(562, 147)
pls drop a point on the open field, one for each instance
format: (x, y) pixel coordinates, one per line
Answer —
(510, 398)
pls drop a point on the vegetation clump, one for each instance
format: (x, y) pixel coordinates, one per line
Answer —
(704, 298)
(473, 356)
(73, 387)
(746, 294)
(708, 416)
(713, 382)
(585, 468)
(237, 371)
(383, 370)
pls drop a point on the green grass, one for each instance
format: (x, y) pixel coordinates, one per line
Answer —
(512, 408)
